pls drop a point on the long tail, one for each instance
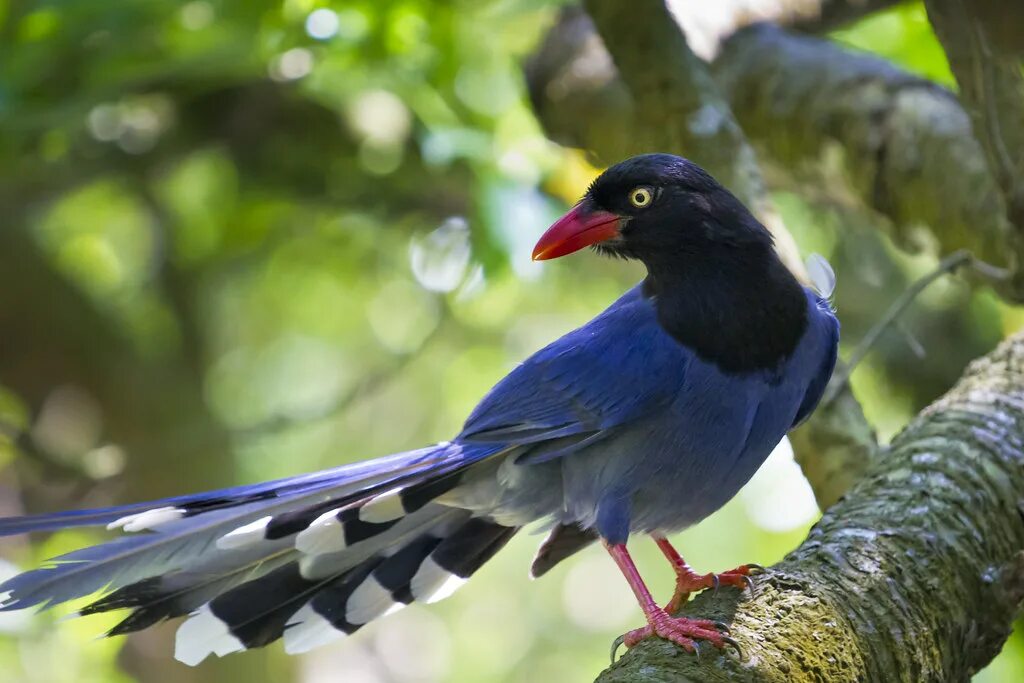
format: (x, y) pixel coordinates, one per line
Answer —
(306, 559)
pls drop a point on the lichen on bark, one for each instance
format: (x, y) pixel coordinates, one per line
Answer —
(866, 134)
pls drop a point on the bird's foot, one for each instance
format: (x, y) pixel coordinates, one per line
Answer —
(683, 631)
(688, 581)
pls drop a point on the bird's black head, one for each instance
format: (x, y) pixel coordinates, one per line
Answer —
(717, 284)
(653, 207)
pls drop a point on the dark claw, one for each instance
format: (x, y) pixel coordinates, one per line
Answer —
(750, 583)
(733, 644)
(714, 583)
(722, 626)
(755, 568)
(615, 646)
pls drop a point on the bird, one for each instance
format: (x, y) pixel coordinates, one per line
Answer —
(640, 423)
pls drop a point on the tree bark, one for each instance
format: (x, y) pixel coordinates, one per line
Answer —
(916, 575)
(868, 136)
(984, 42)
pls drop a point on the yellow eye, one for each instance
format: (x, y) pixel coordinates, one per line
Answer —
(640, 197)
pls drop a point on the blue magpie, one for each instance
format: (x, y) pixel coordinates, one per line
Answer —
(643, 421)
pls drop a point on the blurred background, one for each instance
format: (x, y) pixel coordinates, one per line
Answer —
(245, 240)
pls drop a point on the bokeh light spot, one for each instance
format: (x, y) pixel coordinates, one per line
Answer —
(322, 24)
(423, 641)
(439, 259)
(292, 65)
(595, 597)
(197, 15)
(380, 116)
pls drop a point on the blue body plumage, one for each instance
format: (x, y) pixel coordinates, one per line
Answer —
(645, 420)
(674, 441)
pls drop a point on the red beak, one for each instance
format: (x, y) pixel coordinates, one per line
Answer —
(579, 228)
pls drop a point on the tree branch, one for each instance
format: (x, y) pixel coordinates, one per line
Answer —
(870, 135)
(847, 605)
(829, 448)
(916, 574)
(834, 447)
(984, 42)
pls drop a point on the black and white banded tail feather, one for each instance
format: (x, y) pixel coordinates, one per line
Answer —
(308, 610)
(306, 560)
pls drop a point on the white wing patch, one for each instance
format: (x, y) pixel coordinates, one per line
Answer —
(383, 508)
(201, 635)
(307, 630)
(325, 534)
(244, 536)
(432, 582)
(149, 519)
(369, 601)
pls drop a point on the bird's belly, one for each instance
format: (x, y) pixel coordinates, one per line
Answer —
(667, 505)
(672, 488)
(672, 473)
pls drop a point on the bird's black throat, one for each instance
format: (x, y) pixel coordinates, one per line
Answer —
(741, 310)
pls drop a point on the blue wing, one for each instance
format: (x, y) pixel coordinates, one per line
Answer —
(584, 385)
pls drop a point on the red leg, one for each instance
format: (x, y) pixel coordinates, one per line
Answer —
(682, 631)
(689, 581)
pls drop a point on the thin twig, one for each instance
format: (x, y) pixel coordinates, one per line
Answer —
(949, 264)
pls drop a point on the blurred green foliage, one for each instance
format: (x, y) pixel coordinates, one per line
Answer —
(298, 234)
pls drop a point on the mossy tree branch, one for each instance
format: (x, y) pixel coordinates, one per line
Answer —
(866, 135)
